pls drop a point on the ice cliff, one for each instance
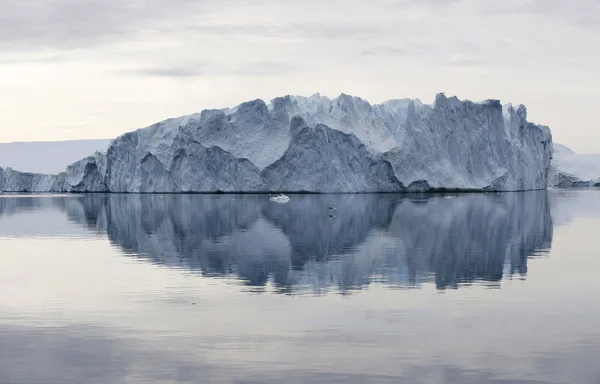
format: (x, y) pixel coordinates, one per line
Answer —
(86, 175)
(317, 144)
(15, 181)
(570, 169)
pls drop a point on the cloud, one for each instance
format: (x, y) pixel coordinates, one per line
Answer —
(175, 72)
(460, 59)
(37, 59)
(68, 24)
(71, 24)
(213, 69)
(385, 51)
(60, 23)
(308, 31)
(400, 50)
(460, 54)
(334, 31)
(262, 68)
(581, 13)
(430, 3)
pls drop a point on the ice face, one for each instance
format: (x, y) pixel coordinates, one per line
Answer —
(318, 144)
(14, 181)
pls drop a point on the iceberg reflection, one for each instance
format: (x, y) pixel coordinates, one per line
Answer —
(395, 240)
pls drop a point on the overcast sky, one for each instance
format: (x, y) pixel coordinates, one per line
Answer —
(72, 69)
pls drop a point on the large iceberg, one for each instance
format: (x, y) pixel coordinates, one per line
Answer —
(570, 169)
(318, 144)
(86, 175)
(15, 181)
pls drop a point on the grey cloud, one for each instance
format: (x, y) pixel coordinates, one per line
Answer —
(436, 2)
(236, 29)
(459, 54)
(399, 50)
(262, 68)
(212, 69)
(305, 31)
(175, 72)
(385, 51)
(33, 59)
(582, 12)
(334, 31)
(466, 48)
(70, 24)
(59, 23)
(467, 60)
(427, 3)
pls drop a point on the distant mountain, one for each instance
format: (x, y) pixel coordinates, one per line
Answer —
(50, 157)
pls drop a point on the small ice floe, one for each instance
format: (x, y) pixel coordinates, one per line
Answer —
(281, 199)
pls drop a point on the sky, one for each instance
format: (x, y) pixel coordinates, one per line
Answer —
(79, 69)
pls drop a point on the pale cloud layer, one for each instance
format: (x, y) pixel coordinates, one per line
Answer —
(73, 69)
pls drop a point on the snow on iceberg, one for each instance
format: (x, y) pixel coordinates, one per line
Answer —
(318, 144)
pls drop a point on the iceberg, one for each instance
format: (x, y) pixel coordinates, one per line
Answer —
(15, 181)
(319, 145)
(281, 199)
(87, 175)
(570, 169)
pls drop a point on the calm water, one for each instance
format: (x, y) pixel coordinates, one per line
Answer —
(496, 288)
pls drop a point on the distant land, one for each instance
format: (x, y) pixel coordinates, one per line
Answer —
(49, 157)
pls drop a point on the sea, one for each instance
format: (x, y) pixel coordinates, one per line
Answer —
(366, 288)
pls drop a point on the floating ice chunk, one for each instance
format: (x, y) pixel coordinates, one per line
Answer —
(281, 199)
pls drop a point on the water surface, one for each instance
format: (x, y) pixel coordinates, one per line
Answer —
(471, 288)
